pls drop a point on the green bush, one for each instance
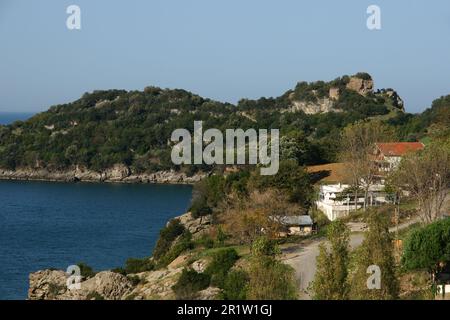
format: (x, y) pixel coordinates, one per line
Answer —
(134, 265)
(221, 263)
(135, 280)
(425, 248)
(166, 237)
(189, 283)
(200, 208)
(94, 295)
(205, 241)
(221, 237)
(235, 286)
(86, 271)
(183, 244)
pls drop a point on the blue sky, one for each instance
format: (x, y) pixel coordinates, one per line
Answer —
(221, 49)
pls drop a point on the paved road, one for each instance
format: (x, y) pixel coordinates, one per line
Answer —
(302, 257)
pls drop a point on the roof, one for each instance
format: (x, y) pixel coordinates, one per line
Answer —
(296, 220)
(396, 149)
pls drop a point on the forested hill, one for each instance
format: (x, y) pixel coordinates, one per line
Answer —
(104, 128)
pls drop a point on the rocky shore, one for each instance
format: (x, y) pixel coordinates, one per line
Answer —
(117, 174)
(109, 285)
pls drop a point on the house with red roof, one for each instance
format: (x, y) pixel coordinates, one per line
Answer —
(388, 155)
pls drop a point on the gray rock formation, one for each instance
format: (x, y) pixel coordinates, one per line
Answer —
(321, 106)
(52, 285)
(196, 227)
(118, 173)
(362, 86)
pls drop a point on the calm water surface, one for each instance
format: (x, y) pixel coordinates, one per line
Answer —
(54, 225)
(10, 117)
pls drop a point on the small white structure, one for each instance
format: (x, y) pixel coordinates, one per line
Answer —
(295, 225)
(335, 201)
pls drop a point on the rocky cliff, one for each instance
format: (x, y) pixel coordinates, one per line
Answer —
(322, 97)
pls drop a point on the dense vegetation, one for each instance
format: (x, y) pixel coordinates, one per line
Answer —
(426, 247)
(104, 128)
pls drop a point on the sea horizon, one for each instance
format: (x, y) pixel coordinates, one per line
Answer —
(8, 117)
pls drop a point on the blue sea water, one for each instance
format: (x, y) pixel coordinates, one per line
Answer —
(10, 117)
(54, 225)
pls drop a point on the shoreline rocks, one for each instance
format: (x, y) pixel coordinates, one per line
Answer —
(52, 285)
(117, 174)
(156, 284)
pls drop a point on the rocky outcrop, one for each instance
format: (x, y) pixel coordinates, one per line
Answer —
(152, 285)
(362, 86)
(196, 227)
(118, 173)
(52, 285)
(392, 97)
(321, 106)
(360, 83)
(156, 285)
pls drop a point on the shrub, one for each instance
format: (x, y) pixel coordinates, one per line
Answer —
(167, 235)
(200, 208)
(86, 271)
(94, 295)
(134, 265)
(222, 262)
(189, 283)
(183, 244)
(221, 237)
(269, 279)
(428, 246)
(135, 280)
(235, 285)
(205, 241)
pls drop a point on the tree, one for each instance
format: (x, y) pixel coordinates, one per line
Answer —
(259, 214)
(206, 195)
(376, 250)
(291, 178)
(358, 142)
(426, 175)
(269, 279)
(330, 282)
(428, 247)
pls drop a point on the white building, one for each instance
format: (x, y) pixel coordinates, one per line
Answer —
(387, 156)
(336, 202)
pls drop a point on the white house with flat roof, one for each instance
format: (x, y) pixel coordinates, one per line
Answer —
(335, 200)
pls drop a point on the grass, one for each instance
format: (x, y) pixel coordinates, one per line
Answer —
(331, 173)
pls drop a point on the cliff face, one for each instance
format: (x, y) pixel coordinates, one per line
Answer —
(118, 174)
(320, 106)
(321, 97)
(361, 86)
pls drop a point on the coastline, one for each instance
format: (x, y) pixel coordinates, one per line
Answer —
(116, 174)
